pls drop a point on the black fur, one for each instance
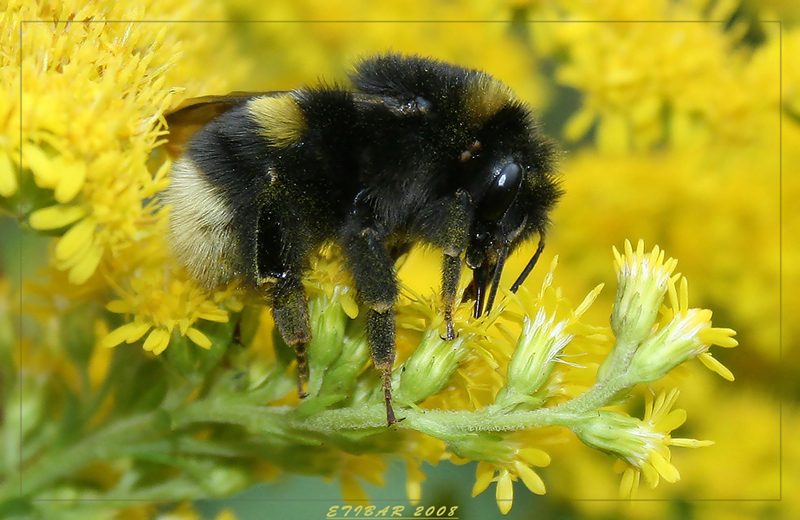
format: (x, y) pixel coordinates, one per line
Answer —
(400, 161)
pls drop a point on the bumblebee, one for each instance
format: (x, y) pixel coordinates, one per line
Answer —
(420, 152)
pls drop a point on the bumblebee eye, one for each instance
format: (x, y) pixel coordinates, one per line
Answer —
(501, 192)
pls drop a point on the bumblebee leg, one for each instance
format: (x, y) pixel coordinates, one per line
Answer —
(380, 332)
(454, 242)
(290, 312)
(373, 271)
(279, 261)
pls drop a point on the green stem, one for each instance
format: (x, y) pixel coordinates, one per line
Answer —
(617, 365)
(437, 423)
(447, 424)
(255, 418)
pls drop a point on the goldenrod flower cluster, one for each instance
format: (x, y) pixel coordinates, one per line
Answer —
(128, 389)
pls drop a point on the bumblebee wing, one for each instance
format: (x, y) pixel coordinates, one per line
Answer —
(394, 105)
(195, 113)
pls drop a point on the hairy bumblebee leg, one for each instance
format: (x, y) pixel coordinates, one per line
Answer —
(280, 255)
(454, 242)
(373, 271)
(290, 312)
(380, 331)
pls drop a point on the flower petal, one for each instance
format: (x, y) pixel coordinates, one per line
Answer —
(217, 315)
(117, 336)
(73, 173)
(629, 482)
(87, 266)
(664, 468)
(54, 217)
(674, 419)
(505, 492)
(8, 176)
(76, 239)
(690, 443)
(200, 339)
(414, 479)
(157, 341)
(483, 478)
(534, 457)
(352, 491)
(530, 478)
(650, 474)
(119, 307)
(137, 330)
(349, 305)
(40, 165)
(712, 364)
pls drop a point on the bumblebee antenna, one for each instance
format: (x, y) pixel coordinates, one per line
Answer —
(529, 267)
(498, 270)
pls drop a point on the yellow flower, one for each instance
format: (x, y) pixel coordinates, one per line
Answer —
(690, 333)
(643, 281)
(295, 54)
(644, 83)
(652, 458)
(651, 349)
(428, 369)
(160, 304)
(90, 96)
(515, 465)
(545, 334)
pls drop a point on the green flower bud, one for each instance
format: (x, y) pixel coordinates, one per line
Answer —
(329, 320)
(615, 433)
(673, 344)
(340, 378)
(541, 341)
(429, 368)
(643, 283)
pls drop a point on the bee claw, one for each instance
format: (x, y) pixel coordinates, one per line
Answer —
(387, 397)
(450, 335)
(302, 380)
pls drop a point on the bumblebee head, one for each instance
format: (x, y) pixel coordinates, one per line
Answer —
(512, 189)
(494, 228)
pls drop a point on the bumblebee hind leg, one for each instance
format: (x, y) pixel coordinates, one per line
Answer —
(279, 263)
(290, 312)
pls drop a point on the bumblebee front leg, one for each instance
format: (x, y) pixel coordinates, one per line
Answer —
(454, 242)
(373, 271)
